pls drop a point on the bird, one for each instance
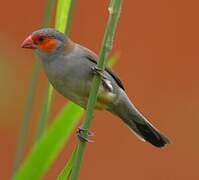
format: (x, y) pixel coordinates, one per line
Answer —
(70, 68)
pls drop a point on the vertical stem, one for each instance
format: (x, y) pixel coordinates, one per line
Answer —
(30, 97)
(66, 171)
(45, 111)
(114, 11)
(27, 115)
(70, 15)
(47, 14)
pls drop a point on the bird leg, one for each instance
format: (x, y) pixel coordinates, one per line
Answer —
(105, 81)
(98, 71)
(81, 133)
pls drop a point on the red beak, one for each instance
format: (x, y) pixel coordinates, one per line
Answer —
(28, 43)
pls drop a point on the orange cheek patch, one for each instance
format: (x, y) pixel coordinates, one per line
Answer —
(48, 45)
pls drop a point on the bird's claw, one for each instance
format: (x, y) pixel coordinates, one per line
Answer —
(106, 83)
(98, 71)
(81, 133)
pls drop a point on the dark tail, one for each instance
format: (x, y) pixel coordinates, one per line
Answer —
(137, 122)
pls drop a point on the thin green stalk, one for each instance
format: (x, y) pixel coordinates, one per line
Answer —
(114, 10)
(45, 112)
(27, 115)
(70, 15)
(47, 14)
(64, 12)
(66, 171)
(30, 97)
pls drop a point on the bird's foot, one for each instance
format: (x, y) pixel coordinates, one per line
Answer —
(105, 81)
(98, 71)
(83, 135)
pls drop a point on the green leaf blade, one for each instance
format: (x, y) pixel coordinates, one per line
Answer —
(63, 10)
(65, 173)
(50, 144)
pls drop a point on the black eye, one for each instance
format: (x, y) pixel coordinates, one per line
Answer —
(41, 39)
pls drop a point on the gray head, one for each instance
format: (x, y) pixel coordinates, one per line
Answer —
(50, 32)
(46, 41)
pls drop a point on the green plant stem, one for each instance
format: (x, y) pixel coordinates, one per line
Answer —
(47, 14)
(114, 10)
(70, 15)
(66, 171)
(45, 111)
(30, 97)
(27, 115)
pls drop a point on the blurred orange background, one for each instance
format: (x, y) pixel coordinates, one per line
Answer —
(158, 42)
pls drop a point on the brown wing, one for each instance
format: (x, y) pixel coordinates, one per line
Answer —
(114, 76)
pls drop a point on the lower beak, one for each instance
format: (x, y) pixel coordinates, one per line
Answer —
(28, 43)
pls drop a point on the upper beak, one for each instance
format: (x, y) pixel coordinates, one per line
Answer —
(28, 43)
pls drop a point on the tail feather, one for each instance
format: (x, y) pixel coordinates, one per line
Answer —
(137, 122)
(152, 135)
